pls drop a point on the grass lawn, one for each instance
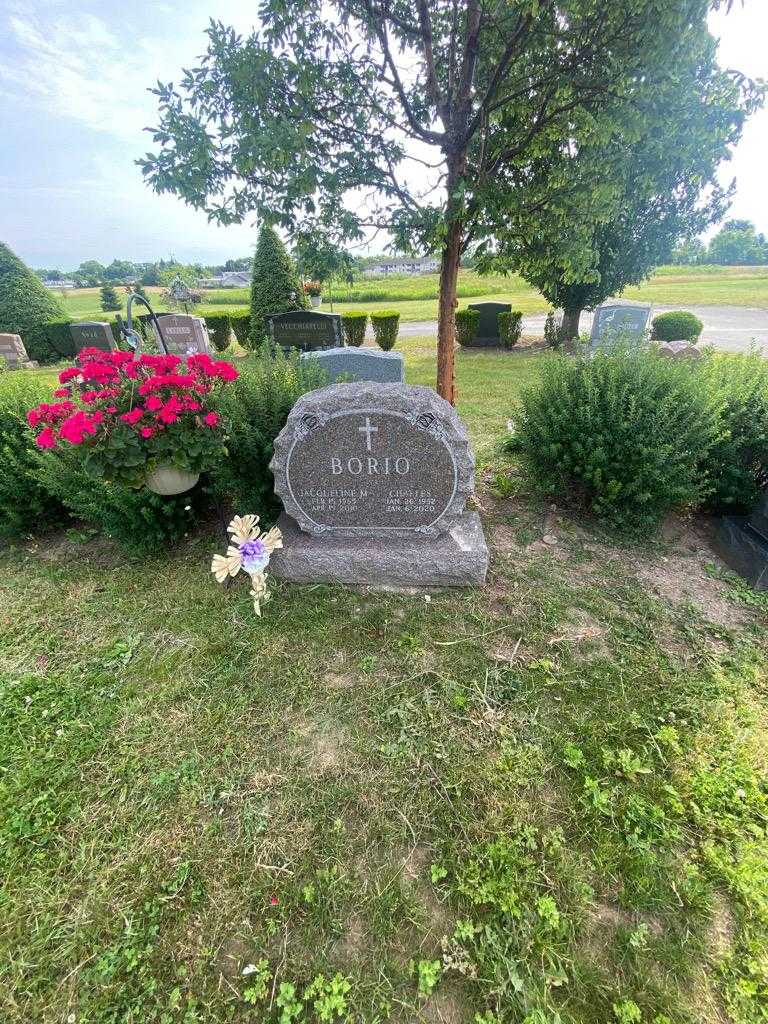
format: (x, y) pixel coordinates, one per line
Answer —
(543, 801)
(416, 297)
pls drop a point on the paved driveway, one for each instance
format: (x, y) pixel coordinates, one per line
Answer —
(731, 328)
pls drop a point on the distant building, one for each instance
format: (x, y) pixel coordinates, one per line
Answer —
(228, 279)
(59, 284)
(403, 265)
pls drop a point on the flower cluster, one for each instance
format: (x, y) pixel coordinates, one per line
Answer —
(131, 410)
(312, 288)
(250, 552)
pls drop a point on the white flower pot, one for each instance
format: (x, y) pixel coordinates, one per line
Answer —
(170, 480)
(316, 300)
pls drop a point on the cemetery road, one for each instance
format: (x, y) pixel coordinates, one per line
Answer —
(730, 328)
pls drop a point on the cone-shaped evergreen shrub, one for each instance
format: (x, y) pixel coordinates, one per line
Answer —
(25, 302)
(275, 285)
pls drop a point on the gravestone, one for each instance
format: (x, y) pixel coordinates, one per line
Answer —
(13, 353)
(679, 350)
(361, 363)
(488, 328)
(93, 334)
(742, 541)
(627, 319)
(374, 479)
(184, 335)
(305, 330)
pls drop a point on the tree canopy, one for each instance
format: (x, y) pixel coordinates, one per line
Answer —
(314, 119)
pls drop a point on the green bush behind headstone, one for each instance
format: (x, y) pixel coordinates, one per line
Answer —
(677, 325)
(353, 324)
(25, 302)
(467, 324)
(275, 284)
(510, 328)
(219, 330)
(385, 324)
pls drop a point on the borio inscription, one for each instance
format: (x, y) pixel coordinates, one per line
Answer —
(370, 458)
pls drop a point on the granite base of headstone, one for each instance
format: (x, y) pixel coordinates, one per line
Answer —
(374, 480)
(305, 330)
(93, 334)
(742, 542)
(488, 335)
(13, 353)
(625, 322)
(360, 364)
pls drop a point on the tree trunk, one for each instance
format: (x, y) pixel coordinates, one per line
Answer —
(570, 326)
(446, 319)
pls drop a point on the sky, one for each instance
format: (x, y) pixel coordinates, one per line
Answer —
(74, 103)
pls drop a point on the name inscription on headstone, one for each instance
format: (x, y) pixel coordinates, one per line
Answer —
(373, 459)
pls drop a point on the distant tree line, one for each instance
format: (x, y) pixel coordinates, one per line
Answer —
(91, 273)
(736, 244)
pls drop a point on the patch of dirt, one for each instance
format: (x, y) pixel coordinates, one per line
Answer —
(325, 742)
(231, 956)
(582, 630)
(682, 580)
(607, 915)
(94, 552)
(354, 940)
(416, 863)
(443, 1007)
(721, 933)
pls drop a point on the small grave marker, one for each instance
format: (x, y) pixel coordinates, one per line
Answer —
(93, 334)
(12, 352)
(361, 363)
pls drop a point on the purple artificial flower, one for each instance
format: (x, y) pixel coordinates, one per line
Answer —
(255, 555)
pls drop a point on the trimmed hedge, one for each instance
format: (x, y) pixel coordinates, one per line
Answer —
(25, 302)
(219, 330)
(467, 325)
(240, 321)
(677, 325)
(386, 323)
(353, 324)
(510, 328)
(51, 342)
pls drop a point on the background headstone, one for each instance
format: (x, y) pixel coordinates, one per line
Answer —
(374, 479)
(742, 541)
(626, 319)
(184, 335)
(305, 330)
(93, 334)
(12, 351)
(362, 363)
(488, 328)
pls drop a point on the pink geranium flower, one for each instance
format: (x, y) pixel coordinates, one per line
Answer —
(211, 420)
(46, 438)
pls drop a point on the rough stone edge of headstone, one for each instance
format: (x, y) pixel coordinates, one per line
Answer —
(361, 395)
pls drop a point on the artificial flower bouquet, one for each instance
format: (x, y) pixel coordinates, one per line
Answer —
(131, 414)
(312, 288)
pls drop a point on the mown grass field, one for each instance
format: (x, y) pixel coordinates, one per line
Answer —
(541, 802)
(416, 297)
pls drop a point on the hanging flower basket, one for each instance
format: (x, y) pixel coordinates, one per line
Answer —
(170, 480)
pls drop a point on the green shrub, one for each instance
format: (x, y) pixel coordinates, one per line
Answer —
(552, 335)
(510, 328)
(676, 326)
(50, 342)
(385, 326)
(219, 330)
(354, 324)
(240, 321)
(140, 521)
(625, 434)
(25, 505)
(467, 324)
(257, 404)
(737, 464)
(25, 302)
(275, 285)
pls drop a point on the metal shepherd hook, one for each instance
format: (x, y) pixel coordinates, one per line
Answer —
(132, 337)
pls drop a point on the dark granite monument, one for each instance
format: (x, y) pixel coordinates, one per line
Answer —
(374, 479)
(360, 363)
(488, 328)
(184, 335)
(93, 334)
(305, 330)
(625, 320)
(13, 353)
(742, 541)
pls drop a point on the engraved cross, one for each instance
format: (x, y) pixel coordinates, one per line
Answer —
(368, 430)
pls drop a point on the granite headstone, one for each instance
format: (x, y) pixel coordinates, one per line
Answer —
(12, 352)
(742, 541)
(614, 320)
(305, 330)
(488, 328)
(184, 335)
(93, 334)
(374, 479)
(360, 363)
